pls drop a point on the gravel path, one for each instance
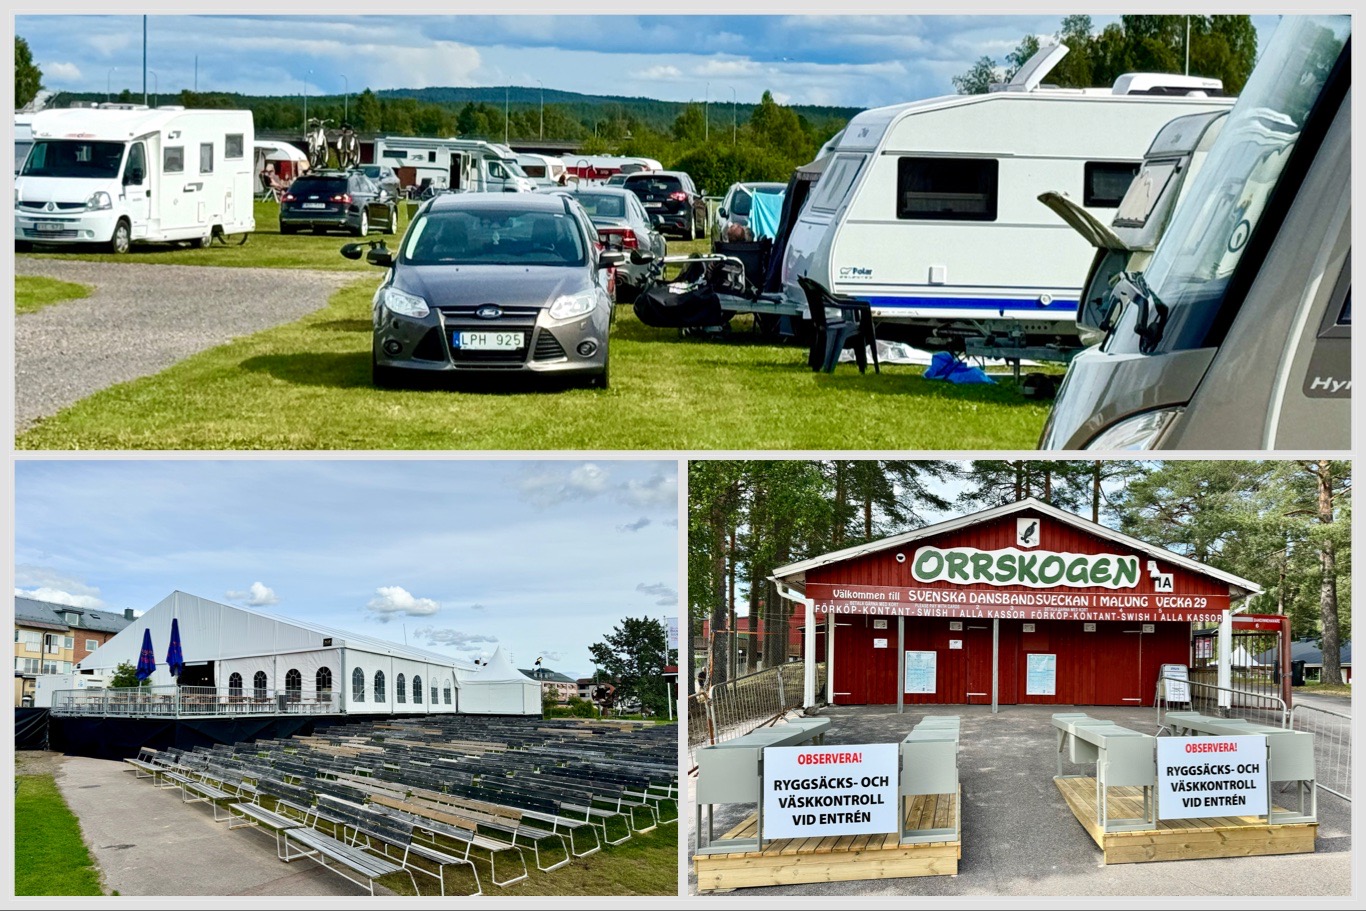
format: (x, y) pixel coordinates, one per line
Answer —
(140, 319)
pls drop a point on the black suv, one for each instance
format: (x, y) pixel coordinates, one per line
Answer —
(673, 197)
(325, 200)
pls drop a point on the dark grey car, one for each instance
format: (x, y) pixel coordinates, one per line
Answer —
(623, 224)
(494, 283)
(332, 200)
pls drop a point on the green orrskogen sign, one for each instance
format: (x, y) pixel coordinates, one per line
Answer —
(1034, 569)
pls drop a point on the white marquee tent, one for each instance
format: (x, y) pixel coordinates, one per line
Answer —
(239, 648)
(498, 688)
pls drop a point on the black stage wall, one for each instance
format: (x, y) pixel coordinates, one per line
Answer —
(121, 738)
(30, 728)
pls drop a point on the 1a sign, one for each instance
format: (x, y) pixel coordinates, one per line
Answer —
(836, 790)
(1199, 777)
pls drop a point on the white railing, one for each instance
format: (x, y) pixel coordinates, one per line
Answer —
(1332, 732)
(1222, 702)
(190, 701)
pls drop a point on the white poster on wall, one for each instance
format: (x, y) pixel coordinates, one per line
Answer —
(1041, 675)
(920, 672)
(842, 790)
(1200, 777)
(879, 643)
(1176, 682)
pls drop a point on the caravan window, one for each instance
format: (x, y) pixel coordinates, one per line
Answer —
(836, 182)
(946, 189)
(206, 158)
(1141, 198)
(173, 159)
(232, 145)
(1107, 182)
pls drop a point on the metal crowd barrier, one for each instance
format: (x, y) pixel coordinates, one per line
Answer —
(188, 701)
(1332, 732)
(1223, 701)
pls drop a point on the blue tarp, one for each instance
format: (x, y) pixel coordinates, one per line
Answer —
(944, 366)
(764, 213)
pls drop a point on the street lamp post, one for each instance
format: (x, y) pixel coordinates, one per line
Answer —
(706, 115)
(108, 91)
(505, 115)
(346, 98)
(542, 85)
(734, 119)
(156, 89)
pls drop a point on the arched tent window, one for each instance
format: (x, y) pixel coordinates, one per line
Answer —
(417, 688)
(399, 695)
(235, 685)
(435, 697)
(258, 685)
(323, 683)
(294, 684)
(446, 692)
(358, 685)
(379, 686)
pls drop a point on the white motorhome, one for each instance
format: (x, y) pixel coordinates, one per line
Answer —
(23, 139)
(598, 168)
(546, 170)
(120, 176)
(465, 165)
(929, 210)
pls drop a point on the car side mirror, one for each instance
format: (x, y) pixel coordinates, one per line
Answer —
(610, 258)
(352, 251)
(641, 257)
(133, 177)
(380, 256)
(721, 211)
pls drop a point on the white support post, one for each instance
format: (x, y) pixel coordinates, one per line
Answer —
(1225, 659)
(830, 657)
(995, 664)
(809, 656)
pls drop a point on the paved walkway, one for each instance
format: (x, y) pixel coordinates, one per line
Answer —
(147, 841)
(1020, 838)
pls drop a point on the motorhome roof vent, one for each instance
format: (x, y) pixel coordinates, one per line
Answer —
(171, 107)
(1168, 84)
(1030, 76)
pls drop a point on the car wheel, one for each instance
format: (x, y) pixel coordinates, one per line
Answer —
(599, 380)
(22, 246)
(393, 221)
(364, 227)
(122, 239)
(692, 227)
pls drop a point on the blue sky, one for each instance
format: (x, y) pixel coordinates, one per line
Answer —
(855, 60)
(542, 558)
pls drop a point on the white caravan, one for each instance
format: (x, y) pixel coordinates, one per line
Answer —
(465, 165)
(929, 210)
(23, 139)
(120, 176)
(545, 170)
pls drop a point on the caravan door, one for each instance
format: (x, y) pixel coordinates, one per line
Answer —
(137, 183)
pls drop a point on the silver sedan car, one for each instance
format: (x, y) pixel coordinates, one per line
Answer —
(493, 283)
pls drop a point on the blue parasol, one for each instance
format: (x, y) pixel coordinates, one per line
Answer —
(147, 660)
(175, 661)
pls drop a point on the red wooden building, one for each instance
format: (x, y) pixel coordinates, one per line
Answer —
(1023, 603)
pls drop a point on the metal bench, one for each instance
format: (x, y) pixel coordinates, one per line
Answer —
(1290, 756)
(360, 825)
(1122, 758)
(731, 772)
(201, 791)
(323, 848)
(929, 765)
(255, 815)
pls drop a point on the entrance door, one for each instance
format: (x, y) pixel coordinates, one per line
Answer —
(1126, 670)
(136, 181)
(977, 642)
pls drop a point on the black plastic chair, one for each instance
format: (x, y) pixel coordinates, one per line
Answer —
(852, 328)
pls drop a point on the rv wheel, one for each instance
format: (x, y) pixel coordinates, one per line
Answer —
(122, 239)
(204, 242)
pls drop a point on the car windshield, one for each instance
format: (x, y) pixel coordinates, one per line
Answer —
(513, 168)
(602, 205)
(493, 237)
(1192, 266)
(73, 158)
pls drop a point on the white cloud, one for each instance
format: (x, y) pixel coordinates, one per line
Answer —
(61, 72)
(666, 597)
(257, 596)
(659, 73)
(548, 656)
(551, 487)
(396, 600)
(637, 525)
(454, 638)
(658, 490)
(57, 596)
(47, 584)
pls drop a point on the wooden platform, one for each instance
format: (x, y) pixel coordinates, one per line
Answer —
(836, 859)
(1179, 839)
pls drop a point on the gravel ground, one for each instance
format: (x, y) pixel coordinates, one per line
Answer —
(140, 319)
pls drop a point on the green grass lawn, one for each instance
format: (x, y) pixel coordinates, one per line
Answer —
(266, 248)
(49, 856)
(306, 385)
(32, 292)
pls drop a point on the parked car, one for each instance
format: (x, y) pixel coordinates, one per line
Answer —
(623, 225)
(385, 176)
(327, 200)
(673, 196)
(617, 180)
(493, 283)
(732, 218)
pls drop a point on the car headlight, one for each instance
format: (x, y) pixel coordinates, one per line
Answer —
(99, 200)
(404, 304)
(1143, 431)
(571, 305)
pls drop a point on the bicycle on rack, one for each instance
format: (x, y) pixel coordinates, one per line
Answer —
(348, 148)
(316, 136)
